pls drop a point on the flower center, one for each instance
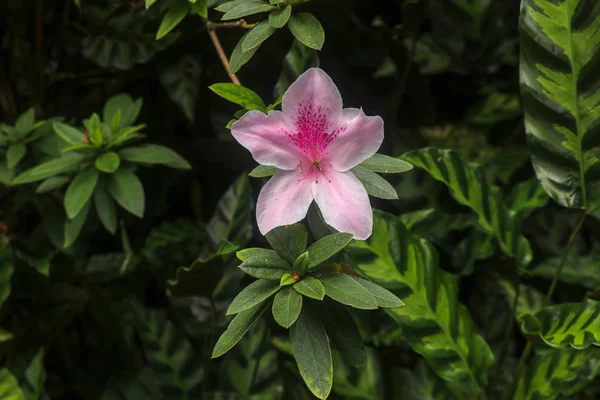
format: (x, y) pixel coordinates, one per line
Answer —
(313, 132)
(313, 172)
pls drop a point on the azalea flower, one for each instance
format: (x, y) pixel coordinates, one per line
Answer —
(314, 143)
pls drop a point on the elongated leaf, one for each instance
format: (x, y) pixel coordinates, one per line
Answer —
(263, 171)
(375, 185)
(289, 241)
(15, 154)
(308, 30)
(278, 18)
(253, 294)
(257, 36)
(433, 322)
(530, 300)
(172, 18)
(239, 57)
(127, 190)
(310, 287)
(9, 386)
(287, 306)
(552, 373)
(312, 353)
(51, 183)
(384, 297)
(386, 164)
(32, 383)
(325, 248)
(68, 133)
(578, 269)
(66, 163)
(24, 123)
(106, 209)
(561, 97)
(238, 326)
(297, 60)
(80, 191)
(154, 154)
(266, 266)
(246, 8)
(239, 95)
(527, 196)
(572, 324)
(470, 187)
(344, 334)
(73, 227)
(346, 290)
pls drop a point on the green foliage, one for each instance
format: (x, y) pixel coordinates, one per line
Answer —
(308, 30)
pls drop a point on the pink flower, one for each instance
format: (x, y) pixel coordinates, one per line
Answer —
(314, 143)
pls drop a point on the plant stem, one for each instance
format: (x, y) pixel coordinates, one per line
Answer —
(563, 260)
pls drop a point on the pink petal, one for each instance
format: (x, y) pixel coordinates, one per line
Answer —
(266, 138)
(359, 138)
(313, 89)
(283, 200)
(344, 203)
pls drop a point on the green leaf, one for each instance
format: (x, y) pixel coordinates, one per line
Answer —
(239, 95)
(32, 383)
(131, 113)
(265, 266)
(420, 383)
(68, 133)
(325, 248)
(253, 294)
(433, 322)
(344, 334)
(346, 290)
(257, 36)
(24, 123)
(278, 18)
(106, 209)
(181, 81)
(375, 185)
(386, 164)
(9, 386)
(469, 187)
(14, 154)
(6, 271)
(171, 357)
(238, 326)
(149, 3)
(308, 30)
(200, 7)
(577, 269)
(527, 196)
(80, 191)
(286, 307)
(172, 18)
(51, 184)
(154, 154)
(73, 227)
(108, 162)
(310, 287)
(312, 353)
(297, 60)
(552, 373)
(263, 171)
(384, 297)
(286, 280)
(558, 52)
(413, 218)
(246, 8)
(127, 190)
(239, 57)
(289, 241)
(302, 263)
(571, 324)
(530, 300)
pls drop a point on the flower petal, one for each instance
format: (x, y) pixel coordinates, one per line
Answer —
(283, 200)
(266, 138)
(359, 138)
(313, 89)
(344, 203)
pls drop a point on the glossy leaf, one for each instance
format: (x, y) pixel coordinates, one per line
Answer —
(239, 95)
(297, 60)
(154, 154)
(433, 322)
(263, 171)
(238, 326)
(386, 164)
(68, 133)
(325, 248)
(310, 287)
(560, 97)
(172, 18)
(289, 241)
(470, 188)
(239, 57)
(265, 266)
(346, 290)
(287, 306)
(245, 8)
(127, 191)
(375, 185)
(312, 353)
(278, 18)
(257, 36)
(66, 163)
(253, 294)
(570, 324)
(308, 30)
(527, 196)
(384, 297)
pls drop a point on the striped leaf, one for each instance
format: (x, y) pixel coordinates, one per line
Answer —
(555, 372)
(527, 196)
(571, 324)
(578, 269)
(433, 322)
(469, 186)
(560, 86)
(530, 300)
